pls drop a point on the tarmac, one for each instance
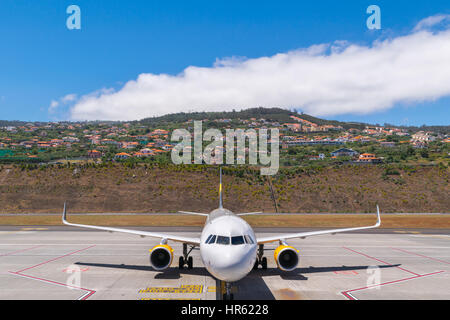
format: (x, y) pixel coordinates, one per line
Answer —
(63, 263)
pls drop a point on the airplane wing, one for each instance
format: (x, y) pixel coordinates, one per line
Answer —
(316, 233)
(248, 213)
(193, 241)
(195, 213)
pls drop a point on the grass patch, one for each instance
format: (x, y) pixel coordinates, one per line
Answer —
(301, 221)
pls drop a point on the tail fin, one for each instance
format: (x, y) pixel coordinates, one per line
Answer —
(220, 189)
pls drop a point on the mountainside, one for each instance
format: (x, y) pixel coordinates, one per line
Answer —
(272, 114)
(169, 188)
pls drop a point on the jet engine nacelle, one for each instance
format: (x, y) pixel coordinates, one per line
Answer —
(286, 257)
(161, 256)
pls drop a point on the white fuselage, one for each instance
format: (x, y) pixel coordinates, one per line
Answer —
(231, 254)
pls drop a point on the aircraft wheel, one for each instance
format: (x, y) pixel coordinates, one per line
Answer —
(264, 263)
(180, 263)
(190, 262)
(255, 266)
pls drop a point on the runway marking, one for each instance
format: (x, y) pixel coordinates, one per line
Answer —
(18, 251)
(349, 272)
(71, 270)
(347, 294)
(56, 258)
(88, 293)
(440, 236)
(351, 297)
(386, 263)
(180, 289)
(421, 255)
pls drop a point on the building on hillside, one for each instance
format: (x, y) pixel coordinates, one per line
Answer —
(368, 158)
(344, 152)
(94, 154)
(122, 156)
(296, 127)
(321, 156)
(147, 151)
(423, 137)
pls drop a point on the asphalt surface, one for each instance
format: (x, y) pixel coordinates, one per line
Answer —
(55, 263)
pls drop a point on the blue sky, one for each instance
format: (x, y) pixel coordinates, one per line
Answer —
(41, 60)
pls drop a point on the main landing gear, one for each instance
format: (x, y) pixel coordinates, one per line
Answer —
(186, 259)
(260, 260)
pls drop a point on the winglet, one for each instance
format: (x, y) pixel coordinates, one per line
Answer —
(64, 214)
(378, 217)
(220, 189)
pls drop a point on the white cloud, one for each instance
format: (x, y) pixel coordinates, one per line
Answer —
(69, 98)
(54, 104)
(432, 21)
(322, 80)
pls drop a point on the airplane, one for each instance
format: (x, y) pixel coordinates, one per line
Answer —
(229, 248)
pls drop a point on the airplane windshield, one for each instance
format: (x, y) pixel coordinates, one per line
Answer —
(237, 240)
(212, 240)
(209, 238)
(249, 239)
(223, 240)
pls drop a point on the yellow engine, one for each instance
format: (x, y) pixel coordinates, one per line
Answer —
(161, 256)
(286, 257)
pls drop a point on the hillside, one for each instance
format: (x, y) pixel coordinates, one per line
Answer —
(151, 188)
(271, 114)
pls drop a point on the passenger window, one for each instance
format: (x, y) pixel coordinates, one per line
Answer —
(249, 239)
(237, 240)
(223, 240)
(212, 240)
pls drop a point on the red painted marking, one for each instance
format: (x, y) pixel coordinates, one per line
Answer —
(90, 292)
(18, 251)
(421, 255)
(55, 259)
(83, 297)
(379, 260)
(352, 272)
(349, 296)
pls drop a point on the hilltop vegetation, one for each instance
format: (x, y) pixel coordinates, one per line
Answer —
(271, 114)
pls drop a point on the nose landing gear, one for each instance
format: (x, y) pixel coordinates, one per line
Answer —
(228, 295)
(186, 259)
(260, 260)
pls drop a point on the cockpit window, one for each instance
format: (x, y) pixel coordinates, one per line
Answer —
(223, 240)
(212, 240)
(209, 238)
(249, 239)
(237, 240)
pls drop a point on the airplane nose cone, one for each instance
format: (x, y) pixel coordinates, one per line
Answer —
(232, 265)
